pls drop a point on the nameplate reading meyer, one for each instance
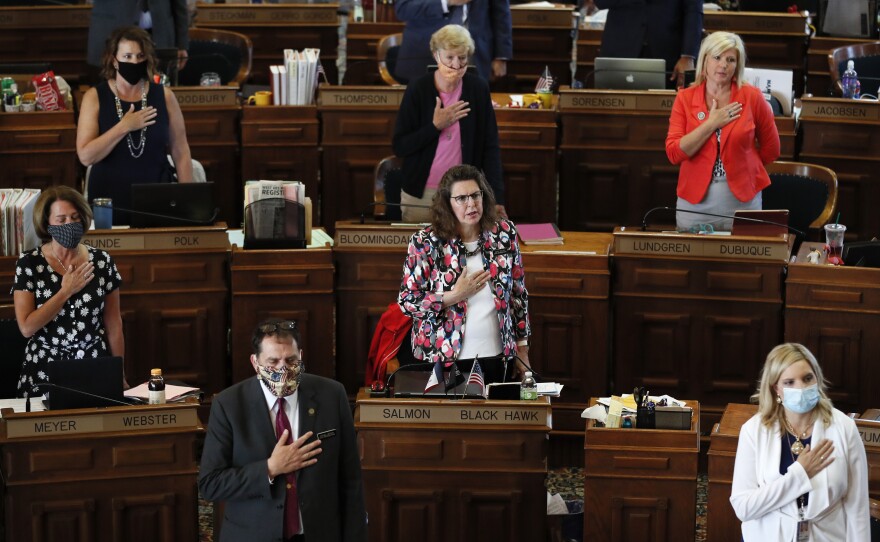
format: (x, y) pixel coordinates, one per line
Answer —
(617, 100)
(457, 412)
(109, 420)
(838, 108)
(372, 236)
(324, 14)
(206, 96)
(693, 246)
(144, 239)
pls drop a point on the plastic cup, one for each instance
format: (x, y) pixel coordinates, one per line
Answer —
(834, 234)
(210, 79)
(28, 106)
(102, 210)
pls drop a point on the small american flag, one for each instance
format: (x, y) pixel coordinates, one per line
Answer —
(545, 82)
(476, 378)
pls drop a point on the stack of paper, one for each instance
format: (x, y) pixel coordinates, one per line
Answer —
(16, 220)
(539, 234)
(269, 218)
(294, 82)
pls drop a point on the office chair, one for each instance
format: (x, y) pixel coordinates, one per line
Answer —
(808, 191)
(387, 188)
(229, 54)
(865, 56)
(386, 55)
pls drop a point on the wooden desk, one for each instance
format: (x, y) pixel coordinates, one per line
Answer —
(281, 142)
(55, 34)
(835, 312)
(289, 284)
(722, 524)
(694, 316)
(542, 37)
(454, 470)
(38, 149)
(641, 484)
(773, 40)
(360, 55)
(273, 28)
(844, 135)
(117, 473)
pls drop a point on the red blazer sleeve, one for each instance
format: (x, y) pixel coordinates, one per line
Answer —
(677, 128)
(765, 131)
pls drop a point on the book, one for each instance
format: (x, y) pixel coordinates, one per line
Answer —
(539, 234)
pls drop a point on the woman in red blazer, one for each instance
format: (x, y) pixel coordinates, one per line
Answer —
(721, 133)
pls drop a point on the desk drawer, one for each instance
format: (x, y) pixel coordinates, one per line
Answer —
(643, 463)
(289, 280)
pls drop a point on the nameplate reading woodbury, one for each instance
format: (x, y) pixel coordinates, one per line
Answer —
(205, 96)
(447, 411)
(701, 246)
(158, 239)
(109, 420)
(360, 96)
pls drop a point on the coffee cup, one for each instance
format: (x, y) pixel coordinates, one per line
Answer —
(546, 99)
(260, 97)
(834, 234)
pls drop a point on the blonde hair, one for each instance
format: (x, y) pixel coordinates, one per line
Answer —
(715, 44)
(452, 37)
(778, 360)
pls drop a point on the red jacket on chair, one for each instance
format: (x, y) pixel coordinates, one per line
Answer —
(390, 332)
(743, 157)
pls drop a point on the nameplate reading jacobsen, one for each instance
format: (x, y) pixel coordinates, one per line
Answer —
(103, 421)
(452, 412)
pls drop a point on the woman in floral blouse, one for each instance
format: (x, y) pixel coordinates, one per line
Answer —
(463, 279)
(66, 294)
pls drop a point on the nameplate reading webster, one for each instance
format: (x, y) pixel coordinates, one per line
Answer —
(205, 96)
(457, 412)
(324, 14)
(617, 100)
(360, 96)
(100, 421)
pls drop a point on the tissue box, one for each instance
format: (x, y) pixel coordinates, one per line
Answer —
(672, 417)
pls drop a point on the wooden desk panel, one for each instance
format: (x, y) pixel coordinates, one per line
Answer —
(641, 483)
(542, 37)
(289, 284)
(361, 42)
(56, 34)
(38, 149)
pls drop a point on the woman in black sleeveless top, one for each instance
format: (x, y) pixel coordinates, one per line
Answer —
(128, 125)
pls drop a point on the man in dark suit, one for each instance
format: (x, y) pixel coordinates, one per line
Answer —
(487, 20)
(667, 29)
(166, 20)
(291, 474)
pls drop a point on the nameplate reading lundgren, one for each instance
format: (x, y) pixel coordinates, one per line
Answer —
(372, 236)
(617, 100)
(457, 412)
(360, 96)
(145, 239)
(114, 419)
(205, 96)
(691, 246)
(265, 14)
(837, 108)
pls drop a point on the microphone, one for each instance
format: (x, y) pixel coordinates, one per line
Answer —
(743, 218)
(206, 222)
(81, 392)
(372, 204)
(408, 367)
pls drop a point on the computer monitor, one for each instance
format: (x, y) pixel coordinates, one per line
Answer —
(629, 73)
(84, 383)
(168, 205)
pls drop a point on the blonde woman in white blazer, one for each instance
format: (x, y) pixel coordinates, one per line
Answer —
(824, 491)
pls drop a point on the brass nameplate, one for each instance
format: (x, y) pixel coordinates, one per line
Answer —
(214, 14)
(360, 236)
(692, 246)
(839, 109)
(360, 96)
(870, 436)
(764, 23)
(550, 17)
(116, 240)
(456, 412)
(104, 421)
(205, 96)
(46, 17)
(617, 100)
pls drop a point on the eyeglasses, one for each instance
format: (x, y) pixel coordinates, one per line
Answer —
(287, 325)
(476, 197)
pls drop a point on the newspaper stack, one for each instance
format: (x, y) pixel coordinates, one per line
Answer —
(294, 82)
(266, 202)
(16, 220)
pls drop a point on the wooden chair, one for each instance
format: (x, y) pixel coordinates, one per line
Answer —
(229, 54)
(380, 188)
(808, 191)
(386, 56)
(867, 65)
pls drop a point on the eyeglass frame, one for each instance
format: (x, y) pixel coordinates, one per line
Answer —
(462, 200)
(275, 327)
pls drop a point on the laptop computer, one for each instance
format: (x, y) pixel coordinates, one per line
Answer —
(168, 205)
(763, 223)
(629, 73)
(90, 382)
(411, 380)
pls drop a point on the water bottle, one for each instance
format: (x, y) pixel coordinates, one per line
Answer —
(850, 82)
(156, 387)
(528, 390)
(358, 11)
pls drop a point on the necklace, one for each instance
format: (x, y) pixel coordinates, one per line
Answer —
(66, 268)
(473, 252)
(134, 149)
(797, 446)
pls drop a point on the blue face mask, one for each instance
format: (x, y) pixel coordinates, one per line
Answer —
(800, 400)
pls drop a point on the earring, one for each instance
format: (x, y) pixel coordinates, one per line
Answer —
(778, 400)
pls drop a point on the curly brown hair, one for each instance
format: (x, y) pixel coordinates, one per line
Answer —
(43, 206)
(127, 33)
(443, 220)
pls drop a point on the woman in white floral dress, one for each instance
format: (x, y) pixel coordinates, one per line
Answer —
(66, 293)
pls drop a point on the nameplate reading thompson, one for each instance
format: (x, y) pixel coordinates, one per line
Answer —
(457, 412)
(111, 240)
(100, 421)
(205, 96)
(685, 246)
(360, 96)
(617, 100)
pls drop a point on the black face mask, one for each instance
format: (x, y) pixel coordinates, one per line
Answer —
(132, 72)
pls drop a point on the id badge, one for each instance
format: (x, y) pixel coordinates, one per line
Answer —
(803, 531)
